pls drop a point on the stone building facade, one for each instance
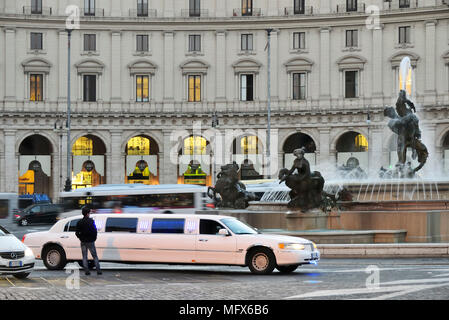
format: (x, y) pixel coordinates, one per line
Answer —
(163, 70)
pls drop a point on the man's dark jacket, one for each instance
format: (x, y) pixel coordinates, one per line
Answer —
(86, 230)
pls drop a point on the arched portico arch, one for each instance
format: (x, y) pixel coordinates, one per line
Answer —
(194, 160)
(296, 141)
(35, 165)
(88, 161)
(352, 144)
(142, 160)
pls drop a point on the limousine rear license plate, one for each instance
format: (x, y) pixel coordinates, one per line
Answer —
(314, 255)
(13, 264)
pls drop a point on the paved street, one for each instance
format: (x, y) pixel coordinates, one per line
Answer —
(331, 279)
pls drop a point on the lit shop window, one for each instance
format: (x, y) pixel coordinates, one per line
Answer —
(138, 146)
(83, 147)
(361, 143)
(249, 145)
(195, 146)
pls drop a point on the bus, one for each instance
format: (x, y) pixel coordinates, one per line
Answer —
(8, 205)
(136, 198)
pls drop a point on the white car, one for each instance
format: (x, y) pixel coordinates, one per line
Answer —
(15, 258)
(174, 239)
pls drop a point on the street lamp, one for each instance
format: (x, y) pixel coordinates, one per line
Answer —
(215, 124)
(59, 128)
(68, 182)
(269, 102)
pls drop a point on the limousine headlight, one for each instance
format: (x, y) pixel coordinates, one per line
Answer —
(291, 246)
(29, 253)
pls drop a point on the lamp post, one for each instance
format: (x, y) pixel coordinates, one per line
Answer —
(215, 124)
(68, 182)
(59, 128)
(269, 103)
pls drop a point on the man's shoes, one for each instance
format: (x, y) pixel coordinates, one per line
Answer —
(87, 273)
(99, 273)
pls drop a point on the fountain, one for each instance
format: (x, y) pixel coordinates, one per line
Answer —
(395, 206)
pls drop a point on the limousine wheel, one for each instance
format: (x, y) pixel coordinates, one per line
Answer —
(287, 269)
(261, 261)
(54, 258)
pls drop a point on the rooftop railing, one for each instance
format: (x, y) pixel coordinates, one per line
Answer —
(92, 12)
(249, 12)
(356, 8)
(142, 13)
(185, 13)
(291, 11)
(43, 11)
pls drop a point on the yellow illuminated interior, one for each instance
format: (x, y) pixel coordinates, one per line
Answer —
(83, 147)
(194, 88)
(250, 145)
(142, 88)
(138, 146)
(195, 146)
(26, 183)
(361, 143)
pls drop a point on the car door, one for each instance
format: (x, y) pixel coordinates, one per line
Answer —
(120, 241)
(212, 247)
(172, 240)
(47, 213)
(34, 215)
(69, 241)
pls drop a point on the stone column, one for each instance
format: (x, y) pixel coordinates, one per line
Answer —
(220, 8)
(325, 67)
(274, 43)
(116, 10)
(377, 66)
(430, 91)
(169, 164)
(116, 166)
(375, 149)
(168, 9)
(116, 67)
(169, 70)
(324, 152)
(62, 66)
(272, 10)
(11, 162)
(220, 90)
(10, 6)
(10, 65)
(429, 139)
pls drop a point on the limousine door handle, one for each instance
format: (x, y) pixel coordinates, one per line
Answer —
(203, 240)
(64, 237)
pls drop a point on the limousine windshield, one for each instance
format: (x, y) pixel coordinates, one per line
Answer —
(238, 227)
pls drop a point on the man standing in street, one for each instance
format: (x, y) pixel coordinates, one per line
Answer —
(86, 231)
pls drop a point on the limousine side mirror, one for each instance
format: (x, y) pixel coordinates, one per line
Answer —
(224, 232)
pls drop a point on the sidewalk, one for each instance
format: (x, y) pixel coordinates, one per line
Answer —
(385, 250)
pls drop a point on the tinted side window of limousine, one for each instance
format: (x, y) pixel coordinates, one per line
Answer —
(71, 225)
(121, 225)
(168, 226)
(209, 226)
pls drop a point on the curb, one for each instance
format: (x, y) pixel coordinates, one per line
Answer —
(394, 250)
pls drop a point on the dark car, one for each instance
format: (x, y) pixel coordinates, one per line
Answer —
(45, 213)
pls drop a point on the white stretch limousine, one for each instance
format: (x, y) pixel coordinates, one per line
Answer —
(174, 239)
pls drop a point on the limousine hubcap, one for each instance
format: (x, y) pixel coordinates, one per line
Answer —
(260, 261)
(53, 258)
